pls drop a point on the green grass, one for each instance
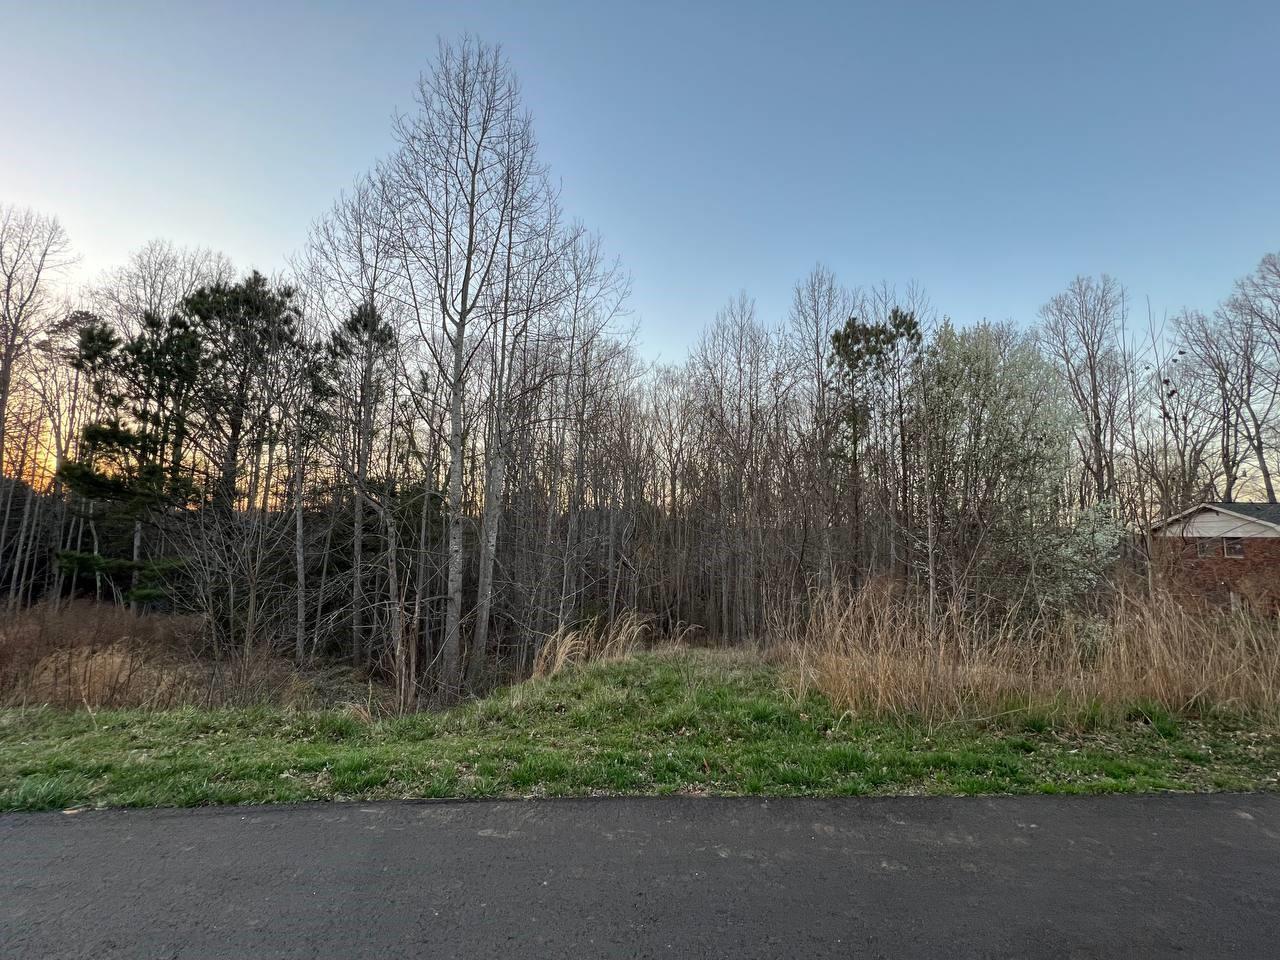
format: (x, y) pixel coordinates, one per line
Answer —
(657, 724)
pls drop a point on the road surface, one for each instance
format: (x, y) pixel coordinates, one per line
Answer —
(1162, 876)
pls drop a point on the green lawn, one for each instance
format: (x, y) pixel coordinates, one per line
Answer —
(659, 723)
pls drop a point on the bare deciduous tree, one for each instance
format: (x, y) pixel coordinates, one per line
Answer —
(33, 250)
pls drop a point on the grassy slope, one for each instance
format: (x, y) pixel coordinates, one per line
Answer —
(660, 723)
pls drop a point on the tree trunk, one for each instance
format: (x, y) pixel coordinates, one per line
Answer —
(299, 551)
(137, 564)
(19, 550)
(489, 521)
(451, 652)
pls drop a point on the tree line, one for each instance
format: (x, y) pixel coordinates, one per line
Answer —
(432, 444)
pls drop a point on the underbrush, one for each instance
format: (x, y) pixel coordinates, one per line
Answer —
(878, 653)
(101, 656)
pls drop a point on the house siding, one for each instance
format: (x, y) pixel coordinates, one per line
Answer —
(1209, 523)
(1253, 578)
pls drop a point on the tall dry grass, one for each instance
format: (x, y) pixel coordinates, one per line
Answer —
(92, 655)
(595, 640)
(878, 653)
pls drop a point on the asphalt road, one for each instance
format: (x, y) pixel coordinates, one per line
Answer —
(952, 878)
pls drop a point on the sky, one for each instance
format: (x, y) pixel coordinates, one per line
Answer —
(988, 152)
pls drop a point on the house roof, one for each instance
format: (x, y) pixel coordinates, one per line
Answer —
(1267, 513)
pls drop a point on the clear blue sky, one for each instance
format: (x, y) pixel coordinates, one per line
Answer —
(989, 151)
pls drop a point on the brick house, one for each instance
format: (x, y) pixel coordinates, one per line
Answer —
(1222, 553)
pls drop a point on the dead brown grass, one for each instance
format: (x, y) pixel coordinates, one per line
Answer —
(90, 655)
(591, 641)
(596, 640)
(87, 653)
(878, 653)
(112, 676)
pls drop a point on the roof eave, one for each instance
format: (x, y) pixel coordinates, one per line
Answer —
(1216, 509)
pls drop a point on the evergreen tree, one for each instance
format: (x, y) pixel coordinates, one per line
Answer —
(132, 458)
